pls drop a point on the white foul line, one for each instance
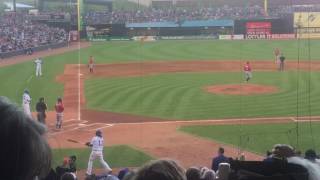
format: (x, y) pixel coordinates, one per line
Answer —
(29, 79)
(79, 81)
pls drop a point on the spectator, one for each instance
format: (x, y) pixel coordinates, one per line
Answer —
(282, 152)
(219, 159)
(268, 156)
(68, 176)
(73, 164)
(107, 177)
(161, 170)
(101, 177)
(193, 173)
(62, 169)
(51, 176)
(123, 173)
(19, 32)
(223, 171)
(207, 174)
(310, 165)
(24, 150)
(129, 175)
(311, 155)
(68, 165)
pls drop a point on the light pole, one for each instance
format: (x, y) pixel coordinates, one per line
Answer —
(14, 5)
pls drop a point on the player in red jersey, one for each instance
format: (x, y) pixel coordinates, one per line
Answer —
(59, 111)
(247, 71)
(91, 64)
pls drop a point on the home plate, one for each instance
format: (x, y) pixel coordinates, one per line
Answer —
(81, 124)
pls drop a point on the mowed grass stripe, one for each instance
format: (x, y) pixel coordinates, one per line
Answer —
(132, 99)
(104, 92)
(174, 99)
(181, 96)
(155, 100)
(137, 93)
(139, 98)
(121, 95)
(110, 93)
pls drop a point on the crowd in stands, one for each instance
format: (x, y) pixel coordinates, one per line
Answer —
(18, 32)
(181, 14)
(27, 156)
(51, 16)
(281, 11)
(177, 14)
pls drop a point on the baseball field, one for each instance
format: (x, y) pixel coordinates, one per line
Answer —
(178, 99)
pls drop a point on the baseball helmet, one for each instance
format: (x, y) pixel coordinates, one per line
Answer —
(26, 91)
(99, 133)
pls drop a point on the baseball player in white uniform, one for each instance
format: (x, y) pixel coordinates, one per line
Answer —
(38, 63)
(97, 152)
(26, 100)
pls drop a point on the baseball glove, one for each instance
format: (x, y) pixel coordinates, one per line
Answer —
(88, 144)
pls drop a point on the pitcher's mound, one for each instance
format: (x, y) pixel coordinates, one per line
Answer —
(241, 89)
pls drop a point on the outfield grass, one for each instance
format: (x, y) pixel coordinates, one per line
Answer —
(116, 156)
(14, 79)
(200, 50)
(261, 137)
(181, 95)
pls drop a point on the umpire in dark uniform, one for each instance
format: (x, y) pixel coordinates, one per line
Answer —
(281, 65)
(41, 108)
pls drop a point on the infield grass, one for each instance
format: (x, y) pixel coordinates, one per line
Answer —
(181, 95)
(261, 137)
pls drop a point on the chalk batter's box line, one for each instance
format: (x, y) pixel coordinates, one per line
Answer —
(83, 127)
(95, 126)
(67, 121)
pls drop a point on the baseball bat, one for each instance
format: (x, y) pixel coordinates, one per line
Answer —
(75, 141)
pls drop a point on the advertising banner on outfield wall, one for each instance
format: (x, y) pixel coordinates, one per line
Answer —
(283, 36)
(144, 38)
(309, 35)
(270, 36)
(258, 28)
(307, 19)
(231, 37)
(108, 38)
(187, 37)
